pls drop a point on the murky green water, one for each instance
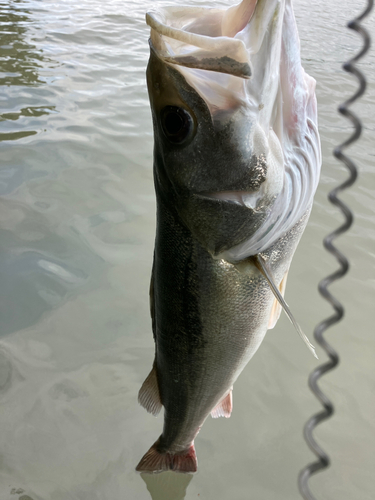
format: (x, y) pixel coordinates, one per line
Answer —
(77, 219)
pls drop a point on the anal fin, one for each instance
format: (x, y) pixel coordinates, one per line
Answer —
(149, 395)
(224, 408)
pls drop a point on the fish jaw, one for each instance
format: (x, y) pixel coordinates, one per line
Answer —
(173, 28)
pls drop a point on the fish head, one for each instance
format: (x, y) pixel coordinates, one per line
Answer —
(215, 87)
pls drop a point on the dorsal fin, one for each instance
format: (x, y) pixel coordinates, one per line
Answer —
(261, 266)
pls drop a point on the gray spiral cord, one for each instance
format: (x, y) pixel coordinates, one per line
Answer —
(323, 459)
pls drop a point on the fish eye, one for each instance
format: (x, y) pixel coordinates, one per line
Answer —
(177, 124)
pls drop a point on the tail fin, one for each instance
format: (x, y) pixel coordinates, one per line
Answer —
(155, 461)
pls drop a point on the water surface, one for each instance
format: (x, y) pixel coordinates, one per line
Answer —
(77, 223)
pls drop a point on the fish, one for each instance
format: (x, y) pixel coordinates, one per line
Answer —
(236, 165)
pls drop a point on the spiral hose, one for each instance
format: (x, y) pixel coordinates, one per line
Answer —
(328, 408)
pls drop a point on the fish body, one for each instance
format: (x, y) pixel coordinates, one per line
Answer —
(236, 163)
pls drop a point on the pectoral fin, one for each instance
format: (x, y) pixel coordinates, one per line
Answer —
(224, 408)
(277, 307)
(261, 266)
(149, 394)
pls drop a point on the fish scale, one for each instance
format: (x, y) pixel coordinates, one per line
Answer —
(234, 186)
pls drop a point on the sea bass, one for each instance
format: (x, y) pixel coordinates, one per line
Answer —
(236, 165)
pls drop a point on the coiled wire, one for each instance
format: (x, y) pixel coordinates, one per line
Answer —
(323, 459)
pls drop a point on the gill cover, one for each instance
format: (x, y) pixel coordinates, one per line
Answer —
(244, 64)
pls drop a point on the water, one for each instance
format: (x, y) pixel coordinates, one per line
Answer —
(77, 228)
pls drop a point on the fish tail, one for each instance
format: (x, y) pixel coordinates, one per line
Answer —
(155, 461)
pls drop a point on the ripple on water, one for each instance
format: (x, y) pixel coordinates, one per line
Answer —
(77, 222)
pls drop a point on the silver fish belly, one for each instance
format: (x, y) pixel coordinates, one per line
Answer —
(236, 165)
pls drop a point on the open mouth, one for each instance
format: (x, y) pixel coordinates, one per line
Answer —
(203, 38)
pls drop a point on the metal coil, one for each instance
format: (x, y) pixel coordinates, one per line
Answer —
(323, 459)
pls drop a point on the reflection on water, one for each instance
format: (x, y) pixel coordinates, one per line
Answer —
(20, 61)
(77, 221)
(167, 485)
(30, 111)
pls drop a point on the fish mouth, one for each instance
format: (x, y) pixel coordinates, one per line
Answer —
(244, 198)
(221, 52)
(203, 38)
